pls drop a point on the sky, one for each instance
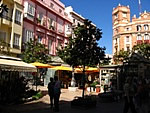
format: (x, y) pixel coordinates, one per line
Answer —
(100, 13)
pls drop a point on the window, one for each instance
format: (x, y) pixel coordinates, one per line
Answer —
(116, 16)
(49, 46)
(60, 27)
(51, 5)
(40, 18)
(60, 11)
(116, 49)
(139, 28)
(124, 14)
(6, 15)
(116, 30)
(146, 27)
(2, 36)
(74, 20)
(127, 39)
(127, 29)
(29, 35)
(16, 40)
(128, 48)
(31, 10)
(51, 24)
(139, 37)
(68, 27)
(146, 37)
(39, 39)
(18, 17)
(59, 45)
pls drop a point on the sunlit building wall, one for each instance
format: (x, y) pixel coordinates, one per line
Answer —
(129, 32)
(47, 22)
(11, 24)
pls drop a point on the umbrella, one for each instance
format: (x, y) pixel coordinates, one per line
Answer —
(41, 65)
(62, 68)
(88, 69)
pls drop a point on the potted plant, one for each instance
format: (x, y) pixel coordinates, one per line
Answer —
(93, 85)
(38, 20)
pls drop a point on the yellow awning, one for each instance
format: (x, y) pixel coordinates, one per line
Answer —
(16, 65)
(88, 69)
(41, 65)
(62, 68)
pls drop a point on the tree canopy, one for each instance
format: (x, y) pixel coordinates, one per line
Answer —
(143, 49)
(3, 8)
(121, 56)
(83, 49)
(36, 52)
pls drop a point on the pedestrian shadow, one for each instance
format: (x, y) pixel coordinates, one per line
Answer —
(29, 107)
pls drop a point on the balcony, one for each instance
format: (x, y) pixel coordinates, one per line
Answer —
(6, 20)
(17, 22)
(146, 41)
(16, 47)
(68, 33)
(139, 41)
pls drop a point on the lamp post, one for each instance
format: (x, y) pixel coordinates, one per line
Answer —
(118, 71)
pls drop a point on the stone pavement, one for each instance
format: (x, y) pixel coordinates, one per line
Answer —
(42, 105)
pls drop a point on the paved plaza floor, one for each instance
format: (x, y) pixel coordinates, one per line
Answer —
(42, 105)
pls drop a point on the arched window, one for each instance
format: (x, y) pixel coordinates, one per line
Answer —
(139, 28)
(139, 37)
(146, 37)
(146, 27)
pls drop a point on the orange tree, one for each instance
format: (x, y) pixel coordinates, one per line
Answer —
(36, 52)
(82, 49)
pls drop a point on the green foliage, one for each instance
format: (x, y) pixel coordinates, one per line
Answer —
(4, 48)
(83, 48)
(143, 49)
(12, 91)
(36, 52)
(121, 56)
(37, 96)
(94, 84)
(2, 9)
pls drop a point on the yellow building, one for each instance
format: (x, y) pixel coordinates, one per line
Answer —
(129, 32)
(11, 25)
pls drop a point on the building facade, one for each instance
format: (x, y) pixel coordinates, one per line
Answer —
(47, 22)
(129, 32)
(11, 25)
(75, 17)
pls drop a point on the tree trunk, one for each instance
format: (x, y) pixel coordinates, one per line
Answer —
(73, 82)
(83, 80)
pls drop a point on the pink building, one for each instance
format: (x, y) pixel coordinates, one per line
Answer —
(46, 21)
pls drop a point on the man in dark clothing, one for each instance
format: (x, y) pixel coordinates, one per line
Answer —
(51, 91)
(129, 94)
(57, 92)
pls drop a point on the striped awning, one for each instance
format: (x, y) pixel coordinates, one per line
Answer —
(16, 65)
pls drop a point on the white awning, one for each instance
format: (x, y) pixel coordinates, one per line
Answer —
(16, 65)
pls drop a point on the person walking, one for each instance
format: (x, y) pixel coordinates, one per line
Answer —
(143, 96)
(51, 91)
(129, 94)
(57, 92)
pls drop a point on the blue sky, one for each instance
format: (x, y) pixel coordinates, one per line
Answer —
(100, 13)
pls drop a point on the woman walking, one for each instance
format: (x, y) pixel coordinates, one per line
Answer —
(129, 94)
